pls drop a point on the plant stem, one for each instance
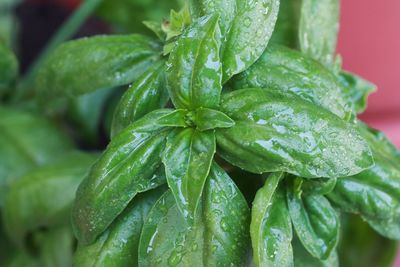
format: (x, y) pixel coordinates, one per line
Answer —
(66, 31)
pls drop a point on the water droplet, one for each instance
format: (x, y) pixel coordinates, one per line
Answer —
(224, 225)
(247, 22)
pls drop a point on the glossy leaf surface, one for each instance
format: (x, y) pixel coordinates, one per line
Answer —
(246, 28)
(218, 238)
(43, 197)
(319, 25)
(209, 119)
(271, 228)
(127, 167)
(26, 141)
(118, 245)
(187, 158)
(82, 66)
(288, 70)
(278, 131)
(356, 89)
(315, 221)
(146, 94)
(194, 69)
(374, 193)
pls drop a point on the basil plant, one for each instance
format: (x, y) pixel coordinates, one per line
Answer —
(235, 143)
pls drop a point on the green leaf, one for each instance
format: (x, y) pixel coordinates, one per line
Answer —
(319, 25)
(146, 94)
(194, 69)
(8, 69)
(82, 66)
(208, 119)
(118, 245)
(187, 158)
(315, 221)
(246, 28)
(278, 131)
(288, 70)
(374, 193)
(130, 165)
(304, 259)
(271, 228)
(26, 141)
(218, 238)
(387, 228)
(177, 22)
(287, 26)
(356, 89)
(43, 197)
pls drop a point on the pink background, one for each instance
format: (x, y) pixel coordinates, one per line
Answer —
(369, 42)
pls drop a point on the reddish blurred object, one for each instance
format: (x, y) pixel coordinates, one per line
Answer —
(70, 4)
(369, 42)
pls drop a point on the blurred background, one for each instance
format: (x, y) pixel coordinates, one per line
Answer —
(369, 42)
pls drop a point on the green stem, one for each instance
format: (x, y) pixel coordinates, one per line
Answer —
(67, 30)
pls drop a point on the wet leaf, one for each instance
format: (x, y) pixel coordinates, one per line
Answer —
(374, 193)
(209, 119)
(82, 66)
(131, 164)
(287, 70)
(218, 238)
(271, 228)
(315, 221)
(319, 25)
(356, 89)
(194, 70)
(146, 94)
(278, 131)
(187, 158)
(246, 28)
(119, 244)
